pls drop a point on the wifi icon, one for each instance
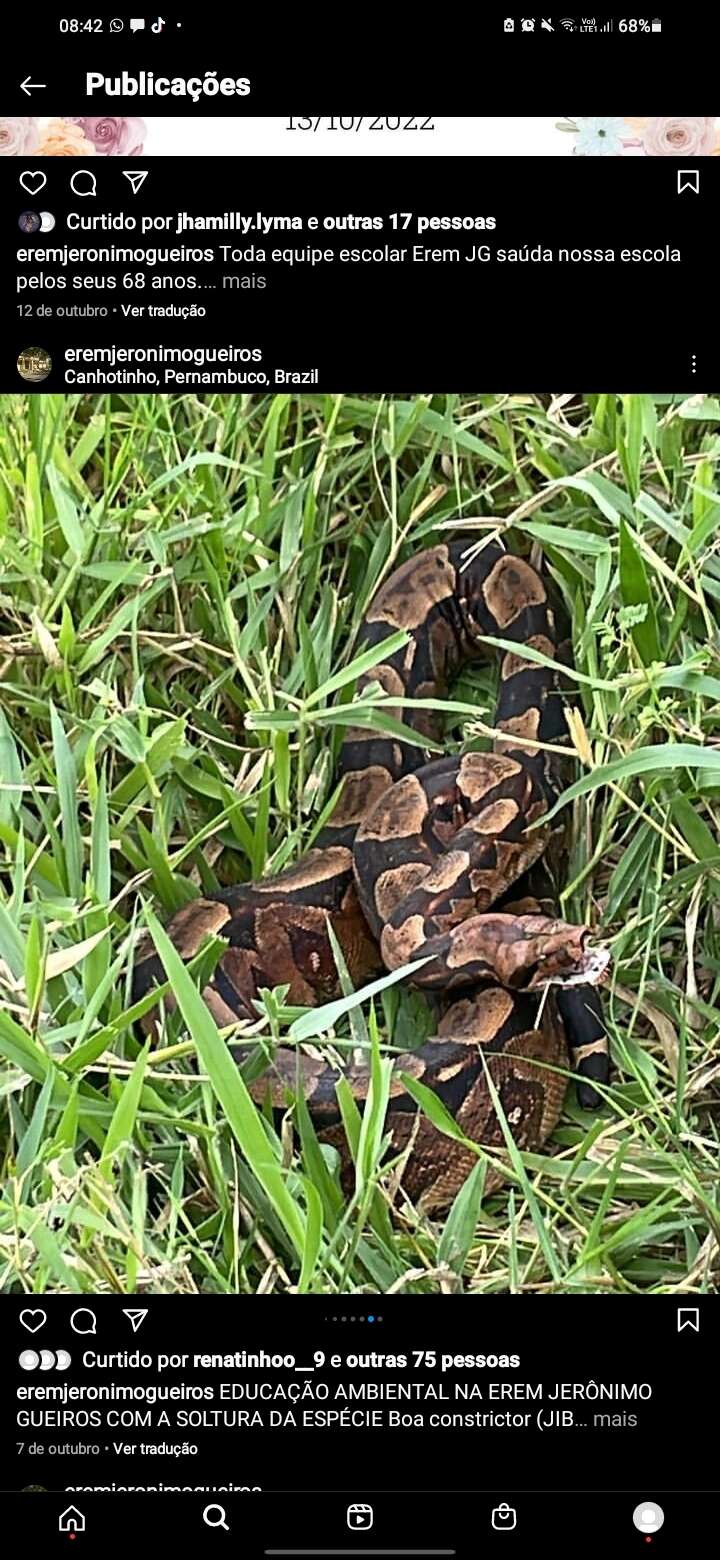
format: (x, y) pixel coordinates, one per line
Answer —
(567, 22)
(136, 180)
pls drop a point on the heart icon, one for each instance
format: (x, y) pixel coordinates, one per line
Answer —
(33, 182)
(32, 1321)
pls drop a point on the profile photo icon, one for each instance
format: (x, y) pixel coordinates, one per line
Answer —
(34, 364)
(29, 222)
(648, 1517)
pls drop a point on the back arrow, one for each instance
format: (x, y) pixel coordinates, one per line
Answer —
(27, 85)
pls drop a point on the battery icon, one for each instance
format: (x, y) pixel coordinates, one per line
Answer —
(656, 24)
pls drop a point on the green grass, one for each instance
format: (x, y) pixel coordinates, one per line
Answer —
(181, 581)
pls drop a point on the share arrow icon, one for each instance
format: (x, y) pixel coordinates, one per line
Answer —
(135, 1318)
(136, 180)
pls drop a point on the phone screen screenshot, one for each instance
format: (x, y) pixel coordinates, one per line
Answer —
(359, 784)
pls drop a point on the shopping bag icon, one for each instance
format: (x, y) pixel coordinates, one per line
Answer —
(360, 1517)
(504, 1517)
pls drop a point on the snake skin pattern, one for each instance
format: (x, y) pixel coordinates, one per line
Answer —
(435, 861)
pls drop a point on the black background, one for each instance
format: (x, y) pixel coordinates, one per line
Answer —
(546, 1521)
(589, 1338)
(404, 327)
(343, 62)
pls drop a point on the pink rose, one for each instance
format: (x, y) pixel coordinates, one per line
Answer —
(679, 137)
(59, 139)
(18, 137)
(114, 137)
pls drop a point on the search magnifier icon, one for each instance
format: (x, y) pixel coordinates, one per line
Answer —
(83, 182)
(214, 1516)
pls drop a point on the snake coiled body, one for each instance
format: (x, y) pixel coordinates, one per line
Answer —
(437, 861)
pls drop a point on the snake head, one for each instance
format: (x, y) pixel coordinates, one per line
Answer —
(563, 957)
(522, 952)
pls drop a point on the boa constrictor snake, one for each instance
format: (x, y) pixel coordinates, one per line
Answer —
(436, 861)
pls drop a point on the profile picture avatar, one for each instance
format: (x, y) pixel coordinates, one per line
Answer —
(34, 364)
(36, 222)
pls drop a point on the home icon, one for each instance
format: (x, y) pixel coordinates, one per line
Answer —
(71, 1521)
